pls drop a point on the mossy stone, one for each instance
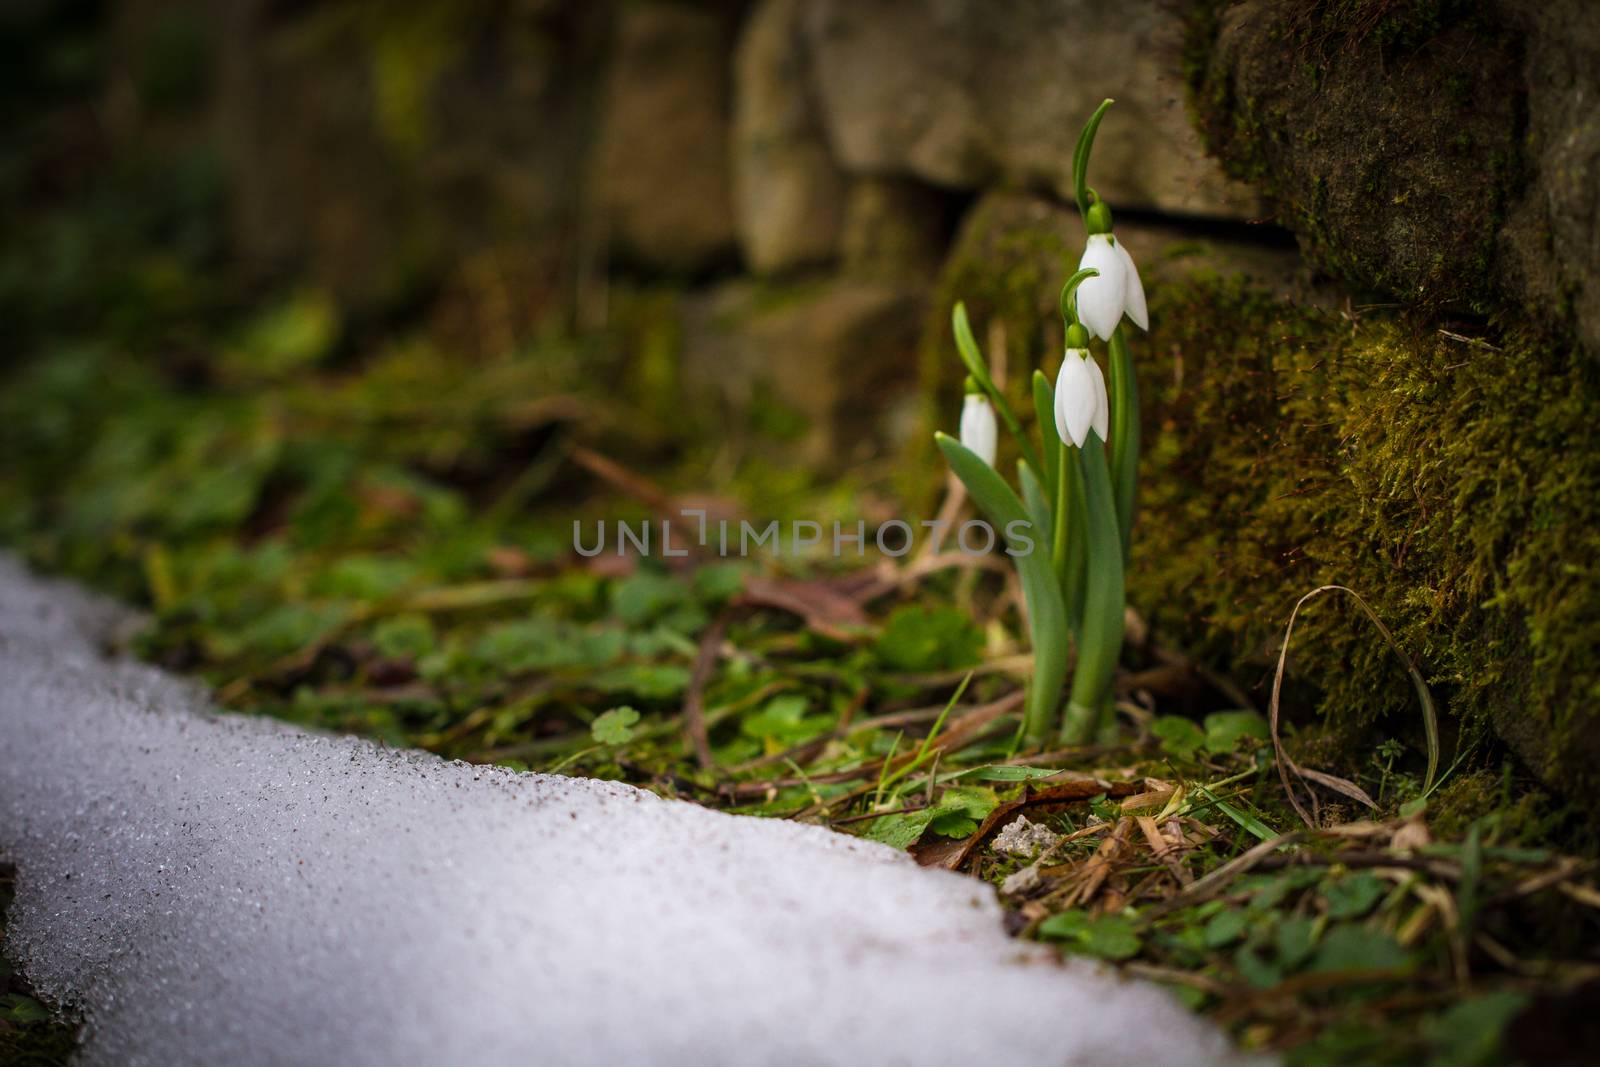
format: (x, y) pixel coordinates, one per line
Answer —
(1387, 134)
(1453, 484)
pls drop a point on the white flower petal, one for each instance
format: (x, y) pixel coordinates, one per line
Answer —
(978, 430)
(1075, 394)
(1101, 419)
(1134, 304)
(1101, 299)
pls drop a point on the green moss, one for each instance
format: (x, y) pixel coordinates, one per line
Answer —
(1491, 799)
(1320, 26)
(1455, 486)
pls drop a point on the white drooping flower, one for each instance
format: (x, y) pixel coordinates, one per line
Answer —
(1137, 311)
(1101, 422)
(1081, 403)
(978, 430)
(1115, 290)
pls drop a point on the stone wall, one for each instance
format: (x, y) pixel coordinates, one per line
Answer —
(1439, 152)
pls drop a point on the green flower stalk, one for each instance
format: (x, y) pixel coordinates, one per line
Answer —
(1079, 407)
(1068, 532)
(1091, 563)
(1109, 486)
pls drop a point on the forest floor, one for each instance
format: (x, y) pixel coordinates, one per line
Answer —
(382, 546)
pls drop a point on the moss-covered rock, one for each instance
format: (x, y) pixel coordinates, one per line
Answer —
(1427, 149)
(1551, 249)
(1387, 134)
(1455, 484)
(1442, 151)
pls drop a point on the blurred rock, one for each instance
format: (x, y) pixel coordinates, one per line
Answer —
(1552, 236)
(836, 352)
(788, 192)
(895, 228)
(378, 147)
(158, 63)
(662, 175)
(966, 94)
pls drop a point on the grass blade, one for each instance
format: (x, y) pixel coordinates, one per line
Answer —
(1244, 819)
(1430, 714)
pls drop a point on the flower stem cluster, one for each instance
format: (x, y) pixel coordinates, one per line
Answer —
(1079, 487)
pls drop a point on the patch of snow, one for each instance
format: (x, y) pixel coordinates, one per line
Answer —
(213, 889)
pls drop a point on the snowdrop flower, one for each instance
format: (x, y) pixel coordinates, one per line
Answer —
(978, 430)
(1103, 299)
(1081, 403)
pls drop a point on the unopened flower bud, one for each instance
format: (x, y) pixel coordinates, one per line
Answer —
(978, 430)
